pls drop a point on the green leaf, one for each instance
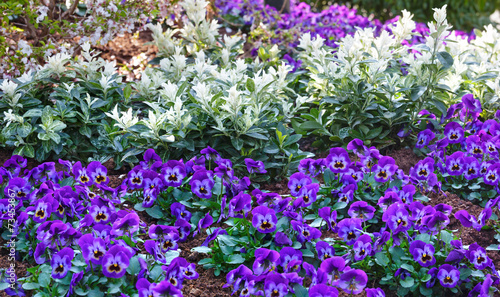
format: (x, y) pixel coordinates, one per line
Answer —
(374, 133)
(44, 280)
(446, 59)
(300, 291)
(408, 282)
(85, 131)
(31, 286)
(417, 92)
(257, 135)
(311, 125)
(24, 130)
(134, 266)
(47, 116)
(236, 259)
(237, 143)
(127, 91)
(95, 293)
(382, 259)
(155, 211)
(408, 267)
(250, 85)
(202, 249)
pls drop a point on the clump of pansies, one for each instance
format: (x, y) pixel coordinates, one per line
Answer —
(365, 220)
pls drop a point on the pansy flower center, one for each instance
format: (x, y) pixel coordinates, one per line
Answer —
(266, 225)
(40, 213)
(351, 235)
(455, 167)
(338, 165)
(115, 267)
(448, 280)
(306, 199)
(492, 177)
(100, 178)
(421, 141)
(172, 177)
(203, 190)
(306, 233)
(60, 269)
(422, 172)
(382, 174)
(477, 151)
(101, 216)
(275, 293)
(98, 254)
(84, 178)
(21, 194)
(167, 244)
(471, 171)
(426, 258)
(136, 180)
(454, 136)
(60, 209)
(480, 259)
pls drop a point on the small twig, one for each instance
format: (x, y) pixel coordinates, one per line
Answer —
(283, 6)
(71, 9)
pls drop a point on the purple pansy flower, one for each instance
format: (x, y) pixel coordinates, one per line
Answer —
(322, 290)
(75, 279)
(297, 183)
(93, 249)
(19, 187)
(210, 153)
(329, 217)
(423, 253)
(126, 225)
(454, 132)
(81, 174)
(349, 230)
(478, 257)
(455, 163)
(471, 104)
(353, 281)
(179, 211)
(135, 178)
(362, 247)
(423, 169)
(275, 285)
(397, 218)
(255, 166)
(150, 159)
(204, 222)
(448, 276)
(338, 160)
(115, 262)
(324, 250)
(240, 205)
(61, 262)
(290, 259)
(424, 138)
(173, 173)
(265, 260)
(492, 175)
(374, 292)
(305, 232)
(385, 168)
(202, 183)
(474, 146)
(98, 173)
(472, 168)
(308, 196)
(213, 235)
(165, 288)
(145, 288)
(361, 210)
(406, 194)
(264, 219)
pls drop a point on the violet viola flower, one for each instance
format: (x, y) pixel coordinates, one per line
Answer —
(362, 247)
(448, 276)
(202, 183)
(173, 172)
(455, 163)
(166, 289)
(93, 249)
(465, 218)
(255, 166)
(150, 158)
(240, 205)
(324, 250)
(472, 168)
(236, 276)
(81, 174)
(210, 153)
(406, 194)
(374, 292)
(179, 211)
(265, 260)
(353, 281)
(275, 285)
(135, 178)
(213, 235)
(423, 169)
(347, 194)
(478, 257)
(321, 290)
(388, 199)
(357, 146)
(333, 267)
(361, 210)
(305, 232)
(184, 229)
(282, 239)
(297, 183)
(436, 221)
(492, 175)
(290, 259)
(75, 279)
(338, 160)
(385, 168)
(99, 212)
(474, 146)
(98, 173)
(424, 138)
(349, 230)
(115, 262)
(204, 222)
(145, 288)
(471, 104)
(128, 224)
(308, 195)
(423, 253)
(43, 208)
(264, 219)
(454, 132)
(329, 217)
(18, 186)
(397, 218)
(61, 262)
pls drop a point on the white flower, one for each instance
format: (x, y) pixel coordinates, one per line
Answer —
(42, 13)
(24, 47)
(56, 63)
(169, 91)
(10, 117)
(126, 120)
(440, 14)
(26, 77)
(9, 88)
